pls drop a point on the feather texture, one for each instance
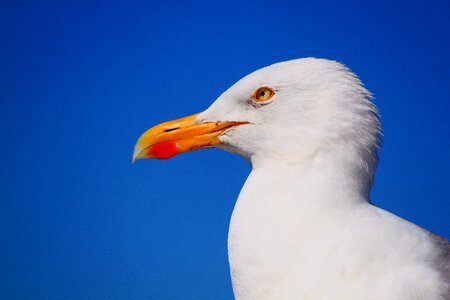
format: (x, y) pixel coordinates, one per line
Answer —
(303, 226)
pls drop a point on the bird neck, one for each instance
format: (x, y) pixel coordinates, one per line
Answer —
(282, 211)
(322, 179)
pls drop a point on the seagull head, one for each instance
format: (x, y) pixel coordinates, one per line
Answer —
(283, 113)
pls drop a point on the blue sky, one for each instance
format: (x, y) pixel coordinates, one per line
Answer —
(80, 81)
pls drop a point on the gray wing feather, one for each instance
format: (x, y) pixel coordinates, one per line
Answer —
(443, 260)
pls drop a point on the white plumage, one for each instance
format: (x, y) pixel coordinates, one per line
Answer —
(303, 226)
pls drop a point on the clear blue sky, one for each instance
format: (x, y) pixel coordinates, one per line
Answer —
(81, 80)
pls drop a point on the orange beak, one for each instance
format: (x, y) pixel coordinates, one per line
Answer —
(178, 136)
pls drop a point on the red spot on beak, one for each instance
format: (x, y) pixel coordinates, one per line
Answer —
(163, 150)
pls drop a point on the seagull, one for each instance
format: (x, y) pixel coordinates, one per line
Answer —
(303, 226)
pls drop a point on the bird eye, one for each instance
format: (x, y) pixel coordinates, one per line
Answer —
(263, 94)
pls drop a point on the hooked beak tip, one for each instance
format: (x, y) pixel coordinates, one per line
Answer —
(136, 154)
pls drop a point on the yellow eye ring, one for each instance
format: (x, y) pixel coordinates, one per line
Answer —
(263, 94)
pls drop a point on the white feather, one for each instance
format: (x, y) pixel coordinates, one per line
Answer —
(303, 226)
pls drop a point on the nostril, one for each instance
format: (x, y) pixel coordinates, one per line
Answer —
(171, 129)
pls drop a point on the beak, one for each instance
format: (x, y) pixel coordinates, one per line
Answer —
(178, 136)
